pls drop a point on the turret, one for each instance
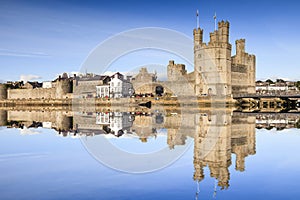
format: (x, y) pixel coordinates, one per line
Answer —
(223, 31)
(198, 36)
(63, 86)
(240, 46)
(175, 71)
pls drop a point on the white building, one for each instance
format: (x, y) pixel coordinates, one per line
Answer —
(120, 87)
(103, 91)
(117, 87)
(47, 84)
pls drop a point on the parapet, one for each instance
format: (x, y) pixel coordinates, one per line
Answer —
(223, 23)
(240, 46)
(198, 36)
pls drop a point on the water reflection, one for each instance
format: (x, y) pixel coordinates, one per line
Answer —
(217, 133)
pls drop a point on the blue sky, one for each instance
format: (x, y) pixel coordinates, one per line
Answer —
(45, 38)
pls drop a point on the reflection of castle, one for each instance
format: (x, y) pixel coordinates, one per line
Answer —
(217, 133)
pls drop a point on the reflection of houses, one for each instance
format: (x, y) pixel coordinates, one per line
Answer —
(217, 133)
(116, 123)
(279, 121)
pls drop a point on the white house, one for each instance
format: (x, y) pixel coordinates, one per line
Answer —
(103, 91)
(117, 87)
(47, 84)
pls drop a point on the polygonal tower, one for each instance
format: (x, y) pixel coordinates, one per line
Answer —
(212, 62)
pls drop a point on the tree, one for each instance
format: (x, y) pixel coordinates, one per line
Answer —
(269, 81)
(297, 84)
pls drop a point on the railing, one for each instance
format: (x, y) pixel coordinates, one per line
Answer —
(284, 95)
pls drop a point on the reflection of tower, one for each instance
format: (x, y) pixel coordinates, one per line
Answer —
(3, 117)
(63, 122)
(143, 127)
(243, 138)
(217, 135)
(212, 146)
(3, 91)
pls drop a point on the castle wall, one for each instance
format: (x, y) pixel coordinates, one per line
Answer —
(37, 93)
(61, 90)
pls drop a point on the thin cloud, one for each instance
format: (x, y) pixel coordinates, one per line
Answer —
(29, 131)
(29, 77)
(6, 157)
(7, 52)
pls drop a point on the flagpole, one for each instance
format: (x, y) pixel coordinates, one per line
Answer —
(215, 18)
(197, 15)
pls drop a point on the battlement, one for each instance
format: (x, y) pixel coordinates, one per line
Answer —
(198, 36)
(240, 46)
(223, 23)
(175, 71)
(221, 35)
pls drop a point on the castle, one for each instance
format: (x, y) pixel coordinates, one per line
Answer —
(216, 71)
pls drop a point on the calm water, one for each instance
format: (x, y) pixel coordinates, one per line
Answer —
(247, 160)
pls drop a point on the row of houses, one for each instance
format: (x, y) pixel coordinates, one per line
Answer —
(268, 86)
(101, 86)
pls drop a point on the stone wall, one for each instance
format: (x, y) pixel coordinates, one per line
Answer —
(37, 93)
(60, 90)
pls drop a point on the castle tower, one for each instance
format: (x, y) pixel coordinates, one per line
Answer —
(63, 86)
(243, 70)
(3, 91)
(212, 62)
(175, 71)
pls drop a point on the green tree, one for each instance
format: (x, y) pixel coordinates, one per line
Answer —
(297, 84)
(269, 81)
